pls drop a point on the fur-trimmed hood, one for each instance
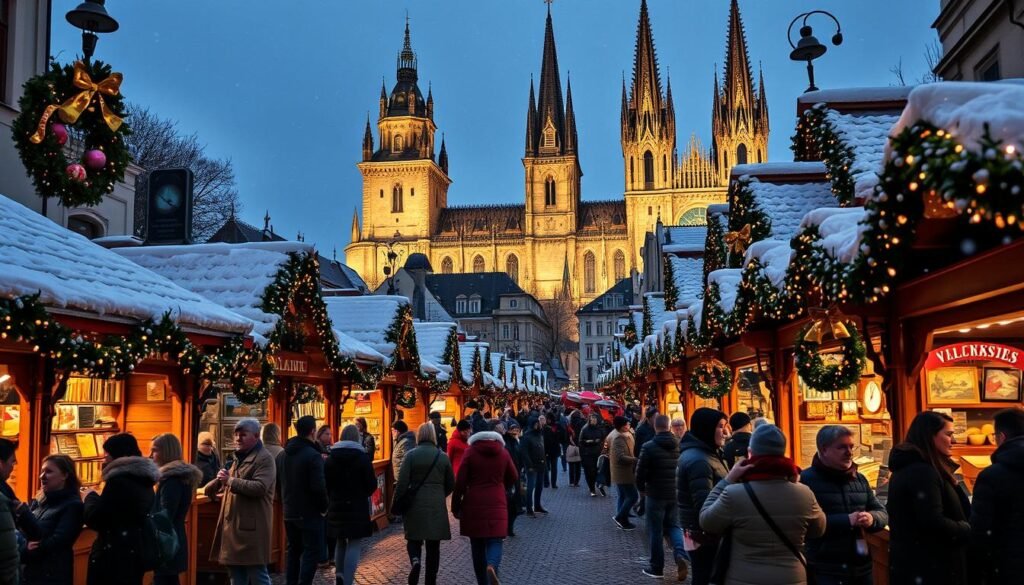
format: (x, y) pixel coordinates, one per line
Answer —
(140, 467)
(486, 436)
(186, 472)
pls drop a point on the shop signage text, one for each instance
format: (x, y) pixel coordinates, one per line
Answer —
(290, 365)
(973, 351)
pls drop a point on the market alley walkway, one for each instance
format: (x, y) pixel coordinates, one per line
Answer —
(576, 543)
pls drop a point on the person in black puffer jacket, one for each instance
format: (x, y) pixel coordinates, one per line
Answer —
(645, 430)
(350, 483)
(119, 513)
(700, 467)
(928, 511)
(304, 495)
(850, 507)
(531, 449)
(656, 480)
(591, 441)
(737, 445)
(554, 433)
(997, 514)
(178, 482)
(58, 511)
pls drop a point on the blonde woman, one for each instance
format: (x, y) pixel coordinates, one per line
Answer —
(178, 482)
(206, 457)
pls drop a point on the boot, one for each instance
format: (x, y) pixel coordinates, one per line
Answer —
(414, 573)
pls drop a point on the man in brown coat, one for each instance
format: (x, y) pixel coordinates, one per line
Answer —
(244, 528)
(622, 464)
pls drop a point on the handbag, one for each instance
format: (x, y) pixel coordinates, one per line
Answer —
(572, 454)
(603, 470)
(723, 555)
(781, 535)
(402, 504)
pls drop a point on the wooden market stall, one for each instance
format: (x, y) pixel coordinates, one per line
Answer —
(92, 345)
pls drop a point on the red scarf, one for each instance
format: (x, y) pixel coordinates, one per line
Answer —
(771, 467)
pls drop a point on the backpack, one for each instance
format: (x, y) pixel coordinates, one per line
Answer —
(159, 541)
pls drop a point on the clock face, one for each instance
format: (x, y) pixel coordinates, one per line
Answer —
(872, 398)
(168, 198)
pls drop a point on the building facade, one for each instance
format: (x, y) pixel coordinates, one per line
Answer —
(982, 40)
(600, 320)
(24, 50)
(553, 243)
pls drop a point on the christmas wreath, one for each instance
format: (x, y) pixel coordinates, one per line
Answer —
(406, 397)
(82, 101)
(305, 393)
(711, 379)
(811, 366)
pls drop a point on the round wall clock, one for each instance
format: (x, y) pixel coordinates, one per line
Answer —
(871, 398)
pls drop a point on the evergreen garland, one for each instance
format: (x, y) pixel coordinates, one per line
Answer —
(305, 393)
(815, 133)
(487, 361)
(647, 327)
(830, 377)
(711, 379)
(714, 249)
(629, 334)
(478, 372)
(405, 397)
(46, 162)
(745, 210)
(671, 291)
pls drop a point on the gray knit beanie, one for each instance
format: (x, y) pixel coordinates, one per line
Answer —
(768, 440)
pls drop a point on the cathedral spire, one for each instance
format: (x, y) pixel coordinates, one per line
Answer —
(550, 107)
(531, 118)
(442, 158)
(367, 140)
(355, 227)
(646, 78)
(407, 58)
(570, 120)
(738, 83)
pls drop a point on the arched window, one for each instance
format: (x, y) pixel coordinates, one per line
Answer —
(549, 192)
(760, 156)
(631, 171)
(396, 199)
(399, 143)
(478, 263)
(589, 284)
(664, 169)
(382, 193)
(648, 170)
(512, 267)
(741, 154)
(694, 216)
(726, 155)
(619, 265)
(447, 266)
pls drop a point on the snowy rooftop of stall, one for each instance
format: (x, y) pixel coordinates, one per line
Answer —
(769, 169)
(866, 135)
(366, 318)
(354, 349)
(840, 229)
(774, 256)
(234, 276)
(432, 340)
(684, 238)
(728, 281)
(688, 274)
(70, 272)
(467, 349)
(856, 95)
(787, 203)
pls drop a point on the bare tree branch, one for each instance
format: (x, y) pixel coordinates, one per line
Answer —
(156, 143)
(897, 70)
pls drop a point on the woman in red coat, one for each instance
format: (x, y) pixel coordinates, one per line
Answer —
(480, 502)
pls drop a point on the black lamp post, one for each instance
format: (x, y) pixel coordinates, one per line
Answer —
(391, 257)
(808, 48)
(92, 18)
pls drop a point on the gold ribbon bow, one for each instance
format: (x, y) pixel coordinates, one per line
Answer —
(826, 321)
(738, 241)
(72, 109)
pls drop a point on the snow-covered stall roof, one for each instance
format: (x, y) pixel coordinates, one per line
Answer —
(866, 135)
(688, 275)
(432, 340)
(774, 169)
(467, 350)
(787, 203)
(774, 257)
(856, 95)
(70, 272)
(366, 318)
(354, 349)
(234, 276)
(840, 231)
(728, 281)
(680, 239)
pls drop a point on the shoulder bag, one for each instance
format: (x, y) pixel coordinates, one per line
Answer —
(778, 532)
(402, 504)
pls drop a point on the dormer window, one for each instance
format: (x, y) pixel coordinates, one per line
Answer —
(460, 304)
(474, 304)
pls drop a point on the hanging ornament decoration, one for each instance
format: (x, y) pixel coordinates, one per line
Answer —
(738, 241)
(405, 397)
(812, 366)
(305, 393)
(80, 101)
(712, 378)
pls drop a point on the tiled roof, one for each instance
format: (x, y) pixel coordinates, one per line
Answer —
(866, 135)
(787, 203)
(236, 231)
(489, 285)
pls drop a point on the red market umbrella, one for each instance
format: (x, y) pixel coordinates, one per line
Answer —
(588, 396)
(571, 399)
(609, 406)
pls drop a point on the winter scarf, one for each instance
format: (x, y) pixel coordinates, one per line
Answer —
(771, 467)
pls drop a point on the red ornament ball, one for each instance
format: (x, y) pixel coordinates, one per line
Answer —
(95, 159)
(60, 132)
(76, 172)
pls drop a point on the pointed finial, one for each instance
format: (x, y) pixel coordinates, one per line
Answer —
(334, 253)
(232, 216)
(266, 221)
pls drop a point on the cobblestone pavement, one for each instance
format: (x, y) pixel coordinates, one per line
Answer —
(576, 543)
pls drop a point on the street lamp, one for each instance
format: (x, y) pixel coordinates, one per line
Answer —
(808, 48)
(391, 257)
(92, 18)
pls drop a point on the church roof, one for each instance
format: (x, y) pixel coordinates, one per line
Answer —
(476, 221)
(610, 214)
(603, 304)
(446, 288)
(236, 231)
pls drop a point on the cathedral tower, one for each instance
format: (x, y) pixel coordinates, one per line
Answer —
(550, 161)
(648, 119)
(739, 117)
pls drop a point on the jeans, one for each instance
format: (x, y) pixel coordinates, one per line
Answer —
(574, 473)
(486, 552)
(553, 470)
(702, 562)
(346, 558)
(563, 457)
(662, 522)
(249, 575)
(304, 550)
(627, 497)
(414, 547)
(590, 472)
(534, 487)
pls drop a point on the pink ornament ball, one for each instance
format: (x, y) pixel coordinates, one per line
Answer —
(95, 160)
(60, 132)
(76, 172)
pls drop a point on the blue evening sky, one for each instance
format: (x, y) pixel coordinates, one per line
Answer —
(283, 88)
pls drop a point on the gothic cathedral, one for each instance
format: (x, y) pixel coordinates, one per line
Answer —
(555, 244)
